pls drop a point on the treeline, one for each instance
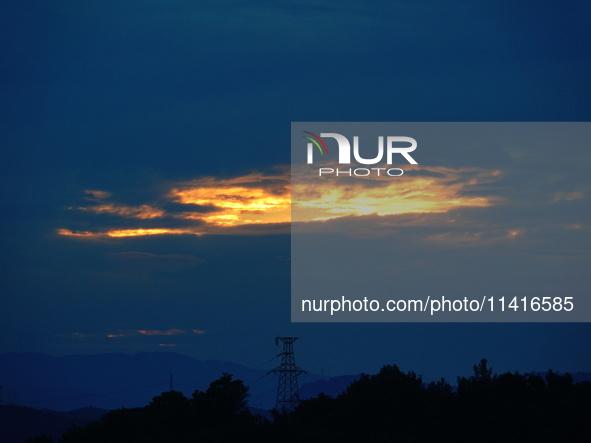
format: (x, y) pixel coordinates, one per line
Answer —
(391, 406)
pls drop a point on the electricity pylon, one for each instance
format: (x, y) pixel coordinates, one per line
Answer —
(288, 392)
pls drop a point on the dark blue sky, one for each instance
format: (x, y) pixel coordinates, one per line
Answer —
(133, 98)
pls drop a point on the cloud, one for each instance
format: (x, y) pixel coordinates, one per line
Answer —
(118, 335)
(142, 232)
(473, 238)
(422, 190)
(154, 333)
(96, 195)
(200, 206)
(158, 332)
(139, 232)
(440, 205)
(251, 199)
(141, 212)
(567, 196)
(576, 227)
(261, 204)
(135, 333)
(70, 233)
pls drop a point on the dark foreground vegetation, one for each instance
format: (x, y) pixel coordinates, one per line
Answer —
(391, 406)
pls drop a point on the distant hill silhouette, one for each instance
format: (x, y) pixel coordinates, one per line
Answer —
(111, 381)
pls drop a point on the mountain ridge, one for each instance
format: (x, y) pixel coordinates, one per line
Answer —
(114, 380)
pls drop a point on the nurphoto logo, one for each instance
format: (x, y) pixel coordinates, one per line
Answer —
(394, 145)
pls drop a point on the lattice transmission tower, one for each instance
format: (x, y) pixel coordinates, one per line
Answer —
(288, 392)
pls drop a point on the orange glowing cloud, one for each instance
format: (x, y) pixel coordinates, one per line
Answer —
(252, 199)
(141, 232)
(69, 233)
(115, 335)
(127, 232)
(258, 203)
(96, 195)
(141, 212)
(213, 205)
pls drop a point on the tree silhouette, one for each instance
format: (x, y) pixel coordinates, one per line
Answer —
(217, 414)
(40, 439)
(223, 398)
(389, 406)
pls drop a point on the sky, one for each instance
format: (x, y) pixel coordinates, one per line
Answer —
(145, 172)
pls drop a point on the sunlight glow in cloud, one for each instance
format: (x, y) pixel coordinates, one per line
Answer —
(69, 233)
(212, 204)
(141, 232)
(264, 202)
(127, 232)
(141, 212)
(253, 199)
